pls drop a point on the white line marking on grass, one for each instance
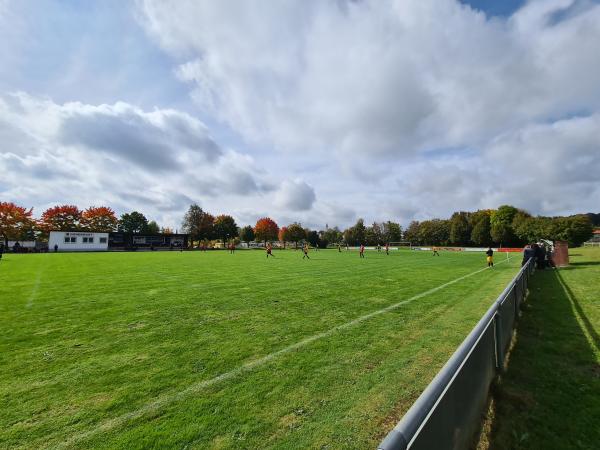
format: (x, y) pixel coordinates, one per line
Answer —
(34, 291)
(167, 399)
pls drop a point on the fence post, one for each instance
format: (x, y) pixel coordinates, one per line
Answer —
(498, 336)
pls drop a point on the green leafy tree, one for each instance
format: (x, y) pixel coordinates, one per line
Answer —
(434, 232)
(295, 233)
(575, 229)
(332, 235)
(501, 225)
(225, 228)
(247, 234)
(392, 232)
(152, 228)
(374, 234)
(134, 222)
(460, 229)
(412, 233)
(355, 235)
(313, 238)
(481, 231)
(198, 223)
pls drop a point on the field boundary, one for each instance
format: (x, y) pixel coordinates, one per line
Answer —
(167, 399)
(447, 413)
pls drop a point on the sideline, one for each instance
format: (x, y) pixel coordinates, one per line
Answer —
(167, 399)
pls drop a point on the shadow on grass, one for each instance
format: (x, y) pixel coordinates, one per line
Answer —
(549, 398)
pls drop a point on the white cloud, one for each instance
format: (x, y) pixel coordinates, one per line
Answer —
(156, 161)
(295, 195)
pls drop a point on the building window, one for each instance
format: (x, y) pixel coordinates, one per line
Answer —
(73, 240)
(103, 240)
(88, 240)
(67, 239)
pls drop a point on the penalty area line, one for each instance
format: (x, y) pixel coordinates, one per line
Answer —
(167, 399)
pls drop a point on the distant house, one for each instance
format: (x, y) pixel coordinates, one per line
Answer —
(78, 241)
(595, 239)
(82, 241)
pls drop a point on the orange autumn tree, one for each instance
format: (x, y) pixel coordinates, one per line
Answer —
(282, 235)
(99, 219)
(15, 220)
(61, 218)
(266, 229)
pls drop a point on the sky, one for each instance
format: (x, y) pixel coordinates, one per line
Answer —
(313, 111)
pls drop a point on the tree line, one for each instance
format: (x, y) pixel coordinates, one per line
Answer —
(507, 226)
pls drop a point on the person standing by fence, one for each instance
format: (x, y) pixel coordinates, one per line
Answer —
(490, 257)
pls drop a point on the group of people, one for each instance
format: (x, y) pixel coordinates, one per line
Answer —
(542, 254)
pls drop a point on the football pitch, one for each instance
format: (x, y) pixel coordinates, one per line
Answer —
(213, 350)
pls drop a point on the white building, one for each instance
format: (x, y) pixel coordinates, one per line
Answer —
(77, 241)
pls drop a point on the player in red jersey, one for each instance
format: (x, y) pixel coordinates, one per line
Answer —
(362, 251)
(270, 250)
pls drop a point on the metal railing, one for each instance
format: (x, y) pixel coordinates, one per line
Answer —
(448, 412)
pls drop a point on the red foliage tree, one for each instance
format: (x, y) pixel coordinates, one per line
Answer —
(15, 220)
(266, 230)
(283, 235)
(61, 218)
(99, 219)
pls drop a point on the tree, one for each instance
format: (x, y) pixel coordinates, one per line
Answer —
(481, 231)
(501, 225)
(412, 233)
(313, 238)
(295, 233)
(198, 224)
(575, 229)
(225, 228)
(152, 228)
(391, 232)
(99, 219)
(374, 234)
(332, 235)
(460, 229)
(134, 222)
(434, 232)
(61, 218)
(247, 234)
(266, 229)
(355, 235)
(14, 221)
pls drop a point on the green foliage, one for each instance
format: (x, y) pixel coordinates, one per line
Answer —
(391, 232)
(575, 229)
(225, 228)
(295, 233)
(313, 238)
(198, 223)
(412, 233)
(374, 234)
(134, 222)
(481, 231)
(247, 234)
(501, 225)
(434, 232)
(332, 235)
(152, 228)
(460, 229)
(355, 235)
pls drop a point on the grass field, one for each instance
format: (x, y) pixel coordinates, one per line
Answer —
(212, 350)
(550, 396)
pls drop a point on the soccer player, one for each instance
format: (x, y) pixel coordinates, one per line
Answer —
(305, 250)
(270, 250)
(339, 248)
(435, 251)
(490, 257)
(362, 250)
(387, 248)
(232, 248)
